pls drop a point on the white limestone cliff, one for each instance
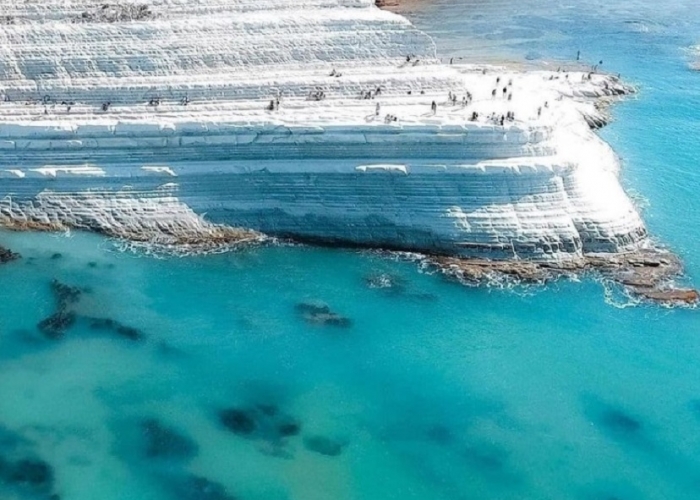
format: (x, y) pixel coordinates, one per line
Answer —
(162, 116)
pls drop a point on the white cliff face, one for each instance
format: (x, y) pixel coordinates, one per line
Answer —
(303, 118)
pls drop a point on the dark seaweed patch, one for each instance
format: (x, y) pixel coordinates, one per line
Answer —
(321, 314)
(241, 422)
(198, 488)
(121, 330)
(65, 295)
(619, 423)
(440, 434)
(55, 326)
(164, 442)
(27, 474)
(265, 424)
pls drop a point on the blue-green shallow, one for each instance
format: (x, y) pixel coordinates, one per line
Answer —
(434, 391)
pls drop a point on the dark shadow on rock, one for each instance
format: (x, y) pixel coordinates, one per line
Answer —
(197, 488)
(110, 325)
(321, 314)
(324, 445)
(162, 441)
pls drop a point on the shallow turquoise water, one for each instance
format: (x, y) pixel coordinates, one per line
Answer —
(433, 391)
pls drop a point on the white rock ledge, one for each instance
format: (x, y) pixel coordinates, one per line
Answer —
(169, 124)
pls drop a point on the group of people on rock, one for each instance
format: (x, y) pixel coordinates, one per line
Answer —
(317, 95)
(466, 99)
(370, 94)
(274, 104)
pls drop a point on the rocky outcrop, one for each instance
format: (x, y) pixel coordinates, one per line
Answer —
(319, 120)
(7, 255)
(646, 273)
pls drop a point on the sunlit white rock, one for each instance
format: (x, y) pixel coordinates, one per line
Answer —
(186, 92)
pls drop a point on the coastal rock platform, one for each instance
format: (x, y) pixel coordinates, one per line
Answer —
(178, 122)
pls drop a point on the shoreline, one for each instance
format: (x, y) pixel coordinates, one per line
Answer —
(647, 273)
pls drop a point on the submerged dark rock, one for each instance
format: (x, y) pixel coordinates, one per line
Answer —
(28, 475)
(114, 326)
(485, 458)
(289, 428)
(56, 256)
(198, 488)
(241, 422)
(619, 423)
(8, 255)
(264, 424)
(165, 442)
(54, 327)
(65, 294)
(321, 314)
(324, 445)
(440, 434)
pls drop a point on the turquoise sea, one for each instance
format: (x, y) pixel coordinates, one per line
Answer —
(299, 373)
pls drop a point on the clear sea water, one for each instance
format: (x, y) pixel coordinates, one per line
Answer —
(433, 391)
